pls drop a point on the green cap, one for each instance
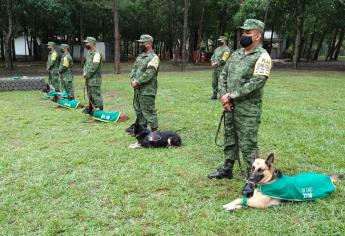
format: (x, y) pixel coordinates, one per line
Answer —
(64, 46)
(90, 40)
(251, 24)
(222, 38)
(145, 38)
(51, 44)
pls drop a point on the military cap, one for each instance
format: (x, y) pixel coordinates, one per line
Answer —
(90, 40)
(251, 24)
(145, 38)
(64, 46)
(51, 44)
(222, 38)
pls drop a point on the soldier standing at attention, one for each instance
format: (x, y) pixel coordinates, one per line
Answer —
(218, 60)
(92, 76)
(65, 71)
(53, 66)
(241, 86)
(143, 79)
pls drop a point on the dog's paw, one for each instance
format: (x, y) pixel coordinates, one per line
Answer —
(230, 207)
(134, 146)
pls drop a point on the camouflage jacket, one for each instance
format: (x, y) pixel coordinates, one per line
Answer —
(65, 68)
(92, 68)
(145, 71)
(244, 77)
(53, 62)
(220, 56)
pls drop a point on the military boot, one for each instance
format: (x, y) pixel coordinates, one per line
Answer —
(224, 172)
(249, 187)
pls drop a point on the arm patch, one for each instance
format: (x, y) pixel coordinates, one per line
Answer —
(225, 56)
(65, 62)
(154, 62)
(263, 65)
(97, 58)
(54, 56)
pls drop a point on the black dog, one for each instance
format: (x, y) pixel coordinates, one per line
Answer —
(155, 139)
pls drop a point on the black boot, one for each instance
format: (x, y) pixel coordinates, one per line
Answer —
(225, 172)
(130, 129)
(249, 187)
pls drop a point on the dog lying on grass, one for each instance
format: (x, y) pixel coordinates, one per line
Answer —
(272, 187)
(155, 139)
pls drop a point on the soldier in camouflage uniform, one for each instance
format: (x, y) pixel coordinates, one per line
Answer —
(241, 86)
(53, 66)
(65, 71)
(218, 60)
(92, 76)
(144, 82)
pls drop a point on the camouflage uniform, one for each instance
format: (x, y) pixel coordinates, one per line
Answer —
(244, 77)
(144, 72)
(53, 68)
(66, 73)
(220, 56)
(92, 71)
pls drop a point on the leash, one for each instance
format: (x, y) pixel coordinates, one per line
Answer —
(222, 120)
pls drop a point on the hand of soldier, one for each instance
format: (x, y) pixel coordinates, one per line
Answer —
(134, 84)
(224, 99)
(214, 65)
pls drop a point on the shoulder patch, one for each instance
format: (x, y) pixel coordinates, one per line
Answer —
(65, 62)
(154, 62)
(225, 56)
(97, 57)
(54, 56)
(263, 65)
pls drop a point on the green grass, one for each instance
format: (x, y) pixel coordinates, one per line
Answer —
(62, 176)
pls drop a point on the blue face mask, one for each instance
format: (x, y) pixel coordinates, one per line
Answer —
(246, 41)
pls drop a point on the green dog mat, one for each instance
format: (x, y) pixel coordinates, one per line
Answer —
(106, 116)
(53, 93)
(73, 104)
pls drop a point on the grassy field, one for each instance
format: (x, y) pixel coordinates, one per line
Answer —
(60, 176)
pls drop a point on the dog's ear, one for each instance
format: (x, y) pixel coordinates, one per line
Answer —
(270, 159)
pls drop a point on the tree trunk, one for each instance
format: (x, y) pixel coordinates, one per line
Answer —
(339, 45)
(271, 41)
(8, 36)
(235, 38)
(185, 32)
(200, 31)
(308, 56)
(2, 53)
(81, 35)
(319, 45)
(117, 38)
(299, 31)
(332, 44)
(222, 21)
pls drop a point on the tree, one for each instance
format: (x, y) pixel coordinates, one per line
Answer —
(117, 38)
(185, 35)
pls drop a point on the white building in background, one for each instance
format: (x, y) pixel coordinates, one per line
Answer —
(21, 46)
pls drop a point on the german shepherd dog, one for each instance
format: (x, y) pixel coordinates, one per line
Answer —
(262, 174)
(57, 98)
(155, 139)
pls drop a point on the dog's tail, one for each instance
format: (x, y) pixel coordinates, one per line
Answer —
(335, 178)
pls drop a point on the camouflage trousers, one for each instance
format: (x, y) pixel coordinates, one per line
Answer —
(55, 81)
(241, 135)
(68, 87)
(215, 77)
(95, 96)
(145, 110)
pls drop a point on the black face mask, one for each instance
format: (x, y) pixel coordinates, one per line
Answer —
(88, 47)
(49, 49)
(142, 48)
(246, 41)
(220, 44)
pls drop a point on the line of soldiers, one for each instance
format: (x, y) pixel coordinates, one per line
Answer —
(238, 80)
(143, 78)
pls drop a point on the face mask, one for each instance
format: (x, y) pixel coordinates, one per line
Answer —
(246, 41)
(62, 51)
(49, 49)
(220, 43)
(88, 47)
(142, 48)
